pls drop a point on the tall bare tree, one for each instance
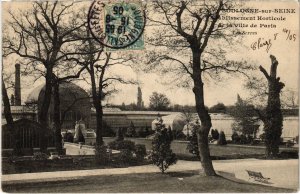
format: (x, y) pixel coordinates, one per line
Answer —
(58, 114)
(100, 76)
(69, 69)
(272, 116)
(269, 96)
(7, 84)
(43, 36)
(189, 44)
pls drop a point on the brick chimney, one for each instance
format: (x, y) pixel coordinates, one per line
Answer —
(17, 85)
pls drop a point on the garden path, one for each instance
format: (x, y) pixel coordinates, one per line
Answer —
(283, 173)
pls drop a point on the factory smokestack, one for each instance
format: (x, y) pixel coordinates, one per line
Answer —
(17, 85)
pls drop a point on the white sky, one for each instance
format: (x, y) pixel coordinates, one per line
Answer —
(286, 52)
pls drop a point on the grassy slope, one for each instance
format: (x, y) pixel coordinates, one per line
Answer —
(152, 182)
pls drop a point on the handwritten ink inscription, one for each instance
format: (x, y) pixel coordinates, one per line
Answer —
(289, 36)
(262, 43)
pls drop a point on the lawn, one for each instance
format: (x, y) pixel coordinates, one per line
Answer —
(230, 151)
(87, 162)
(179, 182)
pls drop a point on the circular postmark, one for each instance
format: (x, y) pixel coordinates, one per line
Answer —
(116, 24)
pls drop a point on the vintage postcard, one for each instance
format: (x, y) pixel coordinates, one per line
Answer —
(155, 96)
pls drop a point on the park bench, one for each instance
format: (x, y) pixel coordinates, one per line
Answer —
(257, 176)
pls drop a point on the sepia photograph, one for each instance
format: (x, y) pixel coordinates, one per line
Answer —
(150, 96)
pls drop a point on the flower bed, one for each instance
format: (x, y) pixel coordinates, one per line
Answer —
(79, 157)
(27, 164)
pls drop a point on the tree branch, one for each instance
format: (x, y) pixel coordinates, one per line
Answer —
(263, 70)
(215, 18)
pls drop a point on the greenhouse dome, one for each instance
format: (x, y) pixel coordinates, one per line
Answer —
(74, 103)
(175, 121)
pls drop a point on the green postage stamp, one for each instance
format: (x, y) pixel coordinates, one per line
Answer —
(117, 25)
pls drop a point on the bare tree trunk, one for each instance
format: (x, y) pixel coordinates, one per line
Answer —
(43, 112)
(98, 106)
(273, 118)
(9, 118)
(205, 119)
(99, 114)
(56, 118)
(5, 99)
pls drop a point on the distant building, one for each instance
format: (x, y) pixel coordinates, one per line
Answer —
(74, 103)
(175, 121)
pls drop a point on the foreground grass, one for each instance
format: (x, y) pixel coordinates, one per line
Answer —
(179, 182)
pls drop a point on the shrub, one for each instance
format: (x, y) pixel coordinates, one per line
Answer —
(177, 134)
(235, 138)
(101, 155)
(159, 125)
(243, 139)
(130, 132)
(80, 161)
(148, 131)
(144, 132)
(215, 134)
(192, 145)
(281, 141)
(140, 151)
(120, 134)
(250, 139)
(289, 143)
(297, 139)
(222, 139)
(162, 155)
(125, 156)
(40, 156)
(107, 130)
(262, 137)
(229, 141)
(169, 133)
(119, 145)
